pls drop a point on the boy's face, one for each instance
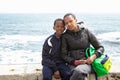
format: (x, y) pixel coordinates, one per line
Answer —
(59, 27)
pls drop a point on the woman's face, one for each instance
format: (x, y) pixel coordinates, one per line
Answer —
(70, 22)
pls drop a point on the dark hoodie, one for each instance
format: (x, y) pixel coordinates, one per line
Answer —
(74, 44)
(51, 52)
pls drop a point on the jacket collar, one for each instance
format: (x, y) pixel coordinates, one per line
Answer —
(80, 26)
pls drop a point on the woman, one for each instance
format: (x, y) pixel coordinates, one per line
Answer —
(75, 41)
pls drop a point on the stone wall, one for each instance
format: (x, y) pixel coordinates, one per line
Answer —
(38, 76)
(33, 72)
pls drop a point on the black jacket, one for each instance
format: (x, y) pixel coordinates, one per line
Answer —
(74, 44)
(51, 52)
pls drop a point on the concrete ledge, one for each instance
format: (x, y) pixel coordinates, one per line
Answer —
(33, 72)
(38, 76)
(110, 76)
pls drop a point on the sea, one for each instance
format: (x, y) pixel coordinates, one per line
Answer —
(22, 35)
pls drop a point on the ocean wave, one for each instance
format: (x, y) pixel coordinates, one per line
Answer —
(21, 49)
(21, 38)
(22, 42)
(110, 36)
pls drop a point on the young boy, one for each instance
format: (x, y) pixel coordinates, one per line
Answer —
(53, 65)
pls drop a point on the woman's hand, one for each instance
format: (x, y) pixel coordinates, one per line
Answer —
(82, 61)
(91, 59)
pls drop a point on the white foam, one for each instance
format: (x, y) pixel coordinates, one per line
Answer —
(21, 38)
(110, 36)
(19, 49)
(19, 57)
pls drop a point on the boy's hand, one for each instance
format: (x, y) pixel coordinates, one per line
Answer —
(57, 74)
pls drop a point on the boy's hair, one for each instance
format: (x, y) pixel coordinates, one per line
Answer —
(59, 19)
(68, 14)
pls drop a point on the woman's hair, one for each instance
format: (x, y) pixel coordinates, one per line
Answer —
(58, 19)
(68, 14)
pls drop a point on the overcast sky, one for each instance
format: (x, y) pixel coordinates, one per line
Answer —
(59, 6)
